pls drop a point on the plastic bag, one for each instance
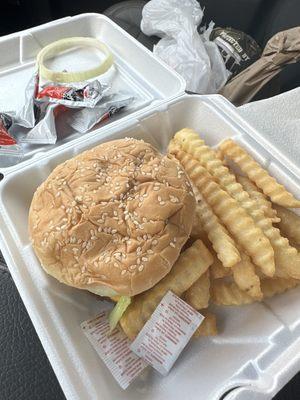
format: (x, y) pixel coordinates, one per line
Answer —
(238, 49)
(191, 54)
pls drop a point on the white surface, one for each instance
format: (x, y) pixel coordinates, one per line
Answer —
(135, 69)
(257, 347)
(278, 120)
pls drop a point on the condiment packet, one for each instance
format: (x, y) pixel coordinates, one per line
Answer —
(10, 152)
(113, 349)
(166, 333)
(81, 94)
(86, 118)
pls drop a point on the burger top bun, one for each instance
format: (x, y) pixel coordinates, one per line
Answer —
(113, 219)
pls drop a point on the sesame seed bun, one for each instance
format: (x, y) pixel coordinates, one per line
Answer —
(113, 219)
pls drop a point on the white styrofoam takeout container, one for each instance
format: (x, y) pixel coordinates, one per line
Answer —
(258, 348)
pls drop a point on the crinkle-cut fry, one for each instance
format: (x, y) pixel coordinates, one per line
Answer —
(217, 269)
(199, 293)
(220, 156)
(255, 194)
(231, 214)
(272, 286)
(197, 231)
(277, 192)
(287, 258)
(245, 277)
(289, 224)
(229, 294)
(191, 264)
(209, 325)
(220, 239)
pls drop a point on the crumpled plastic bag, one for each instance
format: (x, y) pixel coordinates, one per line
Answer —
(192, 55)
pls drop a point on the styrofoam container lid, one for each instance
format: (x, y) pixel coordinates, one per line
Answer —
(135, 68)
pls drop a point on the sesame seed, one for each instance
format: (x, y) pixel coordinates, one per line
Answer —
(141, 267)
(154, 241)
(159, 198)
(123, 272)
(150, 251)
(114, 231)
(172, 245)
(144, 259)
(132, 267)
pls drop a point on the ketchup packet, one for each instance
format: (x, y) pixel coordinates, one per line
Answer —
(86, 118)
(5, 124)
(113, 349)
(166, 333)
(72, 95)
(10, 151)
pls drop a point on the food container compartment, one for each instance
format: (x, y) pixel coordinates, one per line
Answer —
(250, 358)
(137, 70)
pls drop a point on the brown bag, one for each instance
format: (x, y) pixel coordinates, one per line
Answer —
(282, 49)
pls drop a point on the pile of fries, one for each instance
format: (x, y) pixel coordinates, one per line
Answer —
(244, 245)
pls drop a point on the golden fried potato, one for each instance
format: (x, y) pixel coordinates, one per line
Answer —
(231, 214)
(217, 269)
(198, 294)
(245, 277)
(272, 286)
(197, 229)
(277, 192)
(191, 264)
(287, 258)
(255, 194)
(220, 239)
(289, 224)
(208, 327)
(229, 294)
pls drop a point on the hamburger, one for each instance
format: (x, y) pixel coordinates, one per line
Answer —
(113, 219)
